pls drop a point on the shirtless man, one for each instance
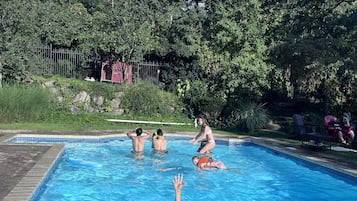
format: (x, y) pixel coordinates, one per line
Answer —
(138, 141)
(205, 136)
(159, 143)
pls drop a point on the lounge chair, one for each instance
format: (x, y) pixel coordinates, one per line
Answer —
(310, 133)
(330, 128)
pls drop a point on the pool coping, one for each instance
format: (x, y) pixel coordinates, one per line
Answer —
(27, 186)
(324, 162)
(30, 182)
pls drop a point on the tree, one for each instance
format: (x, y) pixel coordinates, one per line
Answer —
(17, 36)
(234, 52)
(314, 37)
(224, 45)
(129, 29)
(63, 25)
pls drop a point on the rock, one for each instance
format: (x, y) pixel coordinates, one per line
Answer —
(115, 103)
(73, 109)
(272, 126)
(82, 97)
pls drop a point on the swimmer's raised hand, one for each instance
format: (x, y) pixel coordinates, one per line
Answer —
(177, 181)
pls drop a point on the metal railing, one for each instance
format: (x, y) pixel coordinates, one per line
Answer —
(67, 63)
(148, 71)
(62, 62)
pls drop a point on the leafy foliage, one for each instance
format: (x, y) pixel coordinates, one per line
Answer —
(233, 56)
(199, 100)
(146, 99)
(237, 51)
(250, 116)
(64, 25)
(313, 42)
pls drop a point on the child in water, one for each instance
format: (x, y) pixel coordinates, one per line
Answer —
(207, 163)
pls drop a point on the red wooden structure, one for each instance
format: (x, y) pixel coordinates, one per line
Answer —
(117, 72)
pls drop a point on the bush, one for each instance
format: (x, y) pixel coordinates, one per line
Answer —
(76, 86)
(146, 99)
(22, 103)
(199, 100)
(250, 116)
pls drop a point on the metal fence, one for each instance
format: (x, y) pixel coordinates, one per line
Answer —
(62, 62)
(67, 63)
(148, 71)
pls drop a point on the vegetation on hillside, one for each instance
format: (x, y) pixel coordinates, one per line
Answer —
(222, 54)
(23, 103)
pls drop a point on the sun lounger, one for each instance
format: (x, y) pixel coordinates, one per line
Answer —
(309, 134)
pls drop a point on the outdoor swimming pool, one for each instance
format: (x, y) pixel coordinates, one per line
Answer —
(110, 173)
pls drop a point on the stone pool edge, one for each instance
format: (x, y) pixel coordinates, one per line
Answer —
(30, 182)
(318, 160)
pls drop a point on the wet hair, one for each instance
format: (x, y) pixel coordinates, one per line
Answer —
(205, 122)
(194, 157)
(139, 131)
(159, 132)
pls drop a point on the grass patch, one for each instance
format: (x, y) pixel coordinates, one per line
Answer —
(73, 127)
(23, 103)
(64, 121)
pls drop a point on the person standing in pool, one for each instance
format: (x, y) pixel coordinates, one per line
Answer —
(205, 136)
(138, 138)
(159, 143)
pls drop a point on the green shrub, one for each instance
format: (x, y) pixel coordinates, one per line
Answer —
(199, 100)
(22, 103)
(147, 99)
(250, 116)
(76, 86)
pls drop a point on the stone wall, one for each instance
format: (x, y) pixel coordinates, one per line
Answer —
(84, 102)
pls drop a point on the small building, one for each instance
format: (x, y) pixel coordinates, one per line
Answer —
(117, 72)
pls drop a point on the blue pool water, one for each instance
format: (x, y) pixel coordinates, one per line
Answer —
(106, 171)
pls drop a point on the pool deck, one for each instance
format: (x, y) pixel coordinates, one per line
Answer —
(23, 166)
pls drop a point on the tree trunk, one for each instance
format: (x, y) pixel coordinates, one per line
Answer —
(325, 100)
